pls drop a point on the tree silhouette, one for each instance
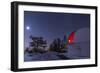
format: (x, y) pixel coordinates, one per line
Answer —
(56, 45)
(64, 43)
(59, 45)
(37, 44)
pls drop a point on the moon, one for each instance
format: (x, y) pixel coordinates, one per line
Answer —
(27, 27)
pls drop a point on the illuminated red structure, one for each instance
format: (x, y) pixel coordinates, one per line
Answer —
(71, 37)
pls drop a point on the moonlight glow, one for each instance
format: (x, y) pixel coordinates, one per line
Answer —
(27, 27)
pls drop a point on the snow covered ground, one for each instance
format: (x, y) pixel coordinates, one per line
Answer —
(52, 56)
(41, 57)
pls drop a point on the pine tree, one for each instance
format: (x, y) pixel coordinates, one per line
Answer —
(37, 44)
(56, 45)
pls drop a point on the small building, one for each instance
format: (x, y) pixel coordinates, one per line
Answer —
(79, 45)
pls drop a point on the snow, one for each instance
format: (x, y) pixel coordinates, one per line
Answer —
(41, 57)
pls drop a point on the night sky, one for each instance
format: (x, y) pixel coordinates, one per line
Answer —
(52, 25)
